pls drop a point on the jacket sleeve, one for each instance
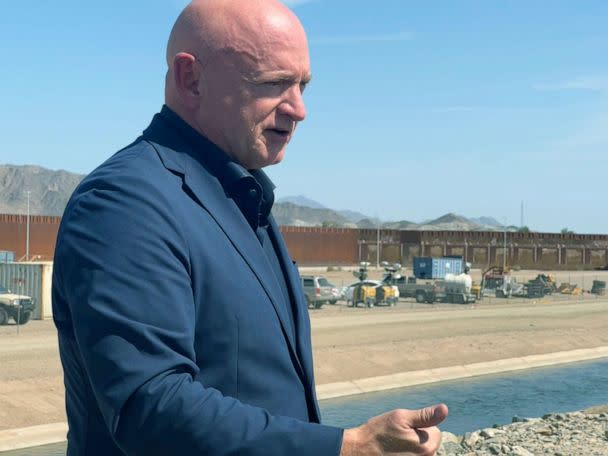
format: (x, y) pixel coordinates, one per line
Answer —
(122, 264)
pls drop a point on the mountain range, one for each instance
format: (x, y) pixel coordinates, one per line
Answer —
(302, 211)
(50, 190)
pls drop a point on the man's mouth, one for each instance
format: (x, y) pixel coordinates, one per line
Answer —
(280, 132)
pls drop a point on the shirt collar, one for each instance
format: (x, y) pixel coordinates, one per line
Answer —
(252, 191)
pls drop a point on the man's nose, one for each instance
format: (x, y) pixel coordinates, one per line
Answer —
(293, 104)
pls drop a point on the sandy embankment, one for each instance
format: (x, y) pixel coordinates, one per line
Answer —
(391, 347)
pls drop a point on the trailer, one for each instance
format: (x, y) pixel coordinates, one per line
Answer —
(458, 289)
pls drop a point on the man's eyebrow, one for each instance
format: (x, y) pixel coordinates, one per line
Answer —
(275, 76)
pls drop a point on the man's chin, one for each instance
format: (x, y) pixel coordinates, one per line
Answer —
(272, 158)
(278, 158)
(261, 156)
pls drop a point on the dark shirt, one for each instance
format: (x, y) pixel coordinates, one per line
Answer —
(252, 191)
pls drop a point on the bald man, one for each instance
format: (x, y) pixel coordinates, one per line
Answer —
(183, 329)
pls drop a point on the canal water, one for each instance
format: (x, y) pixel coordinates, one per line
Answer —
(481, 402)
(474, 403)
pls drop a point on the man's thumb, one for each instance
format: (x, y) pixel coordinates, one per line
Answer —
(428, 416)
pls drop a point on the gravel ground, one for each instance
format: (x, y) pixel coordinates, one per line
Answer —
(558, 434)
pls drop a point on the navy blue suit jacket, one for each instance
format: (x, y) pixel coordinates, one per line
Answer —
(171, 332)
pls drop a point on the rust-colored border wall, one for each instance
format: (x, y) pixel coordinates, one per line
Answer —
(497, 236)
(313, 246)
(310, 246)
(43, 234)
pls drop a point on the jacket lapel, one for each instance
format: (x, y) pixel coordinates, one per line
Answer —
(209, 193)
(301, 311)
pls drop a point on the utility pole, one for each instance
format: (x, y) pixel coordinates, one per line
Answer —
(378, 245)
(504, 254)
(27, 230)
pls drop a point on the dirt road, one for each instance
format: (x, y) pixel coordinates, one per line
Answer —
(348, 344)
(31, 382)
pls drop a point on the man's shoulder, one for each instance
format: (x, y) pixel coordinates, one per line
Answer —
(133, 172)
(139, 160)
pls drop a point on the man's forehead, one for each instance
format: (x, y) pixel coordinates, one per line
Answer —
(284, 62)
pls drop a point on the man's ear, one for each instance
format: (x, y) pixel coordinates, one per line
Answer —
(186, 78)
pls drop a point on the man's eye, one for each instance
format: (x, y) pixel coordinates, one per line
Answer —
(275, 83)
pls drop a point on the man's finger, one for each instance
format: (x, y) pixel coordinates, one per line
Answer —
(428, 416)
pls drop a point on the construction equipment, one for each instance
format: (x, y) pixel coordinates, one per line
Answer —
(549, 279)
(570, 289)
(476, 290)
(363, 293)
(497, 281)
(371, 294)
(388, 292)
(540, 286)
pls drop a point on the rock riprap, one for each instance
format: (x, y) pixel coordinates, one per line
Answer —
(556, 434)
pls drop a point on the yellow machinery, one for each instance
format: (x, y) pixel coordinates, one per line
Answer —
(364, 294)
(552, 281)
(370, 294)
(387, 294)
(570, 289)
(476, 290)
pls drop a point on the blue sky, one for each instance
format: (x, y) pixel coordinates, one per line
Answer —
(416, 108)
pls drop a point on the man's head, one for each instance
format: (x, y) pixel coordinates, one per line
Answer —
(237, 70)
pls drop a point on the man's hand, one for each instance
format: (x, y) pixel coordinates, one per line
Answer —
(398, 432)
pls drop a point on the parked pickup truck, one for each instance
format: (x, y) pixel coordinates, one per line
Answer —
(17, 307)
(423, 291)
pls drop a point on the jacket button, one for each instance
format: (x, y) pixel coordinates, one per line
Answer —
(253, 193)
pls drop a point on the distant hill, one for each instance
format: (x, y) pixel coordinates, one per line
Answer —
(291, 214)
(353, 216)
(294, 215)
(450, 222)
(301, 200)
(400, 225)
(488, 221)
(49, 190)
(368, 223)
